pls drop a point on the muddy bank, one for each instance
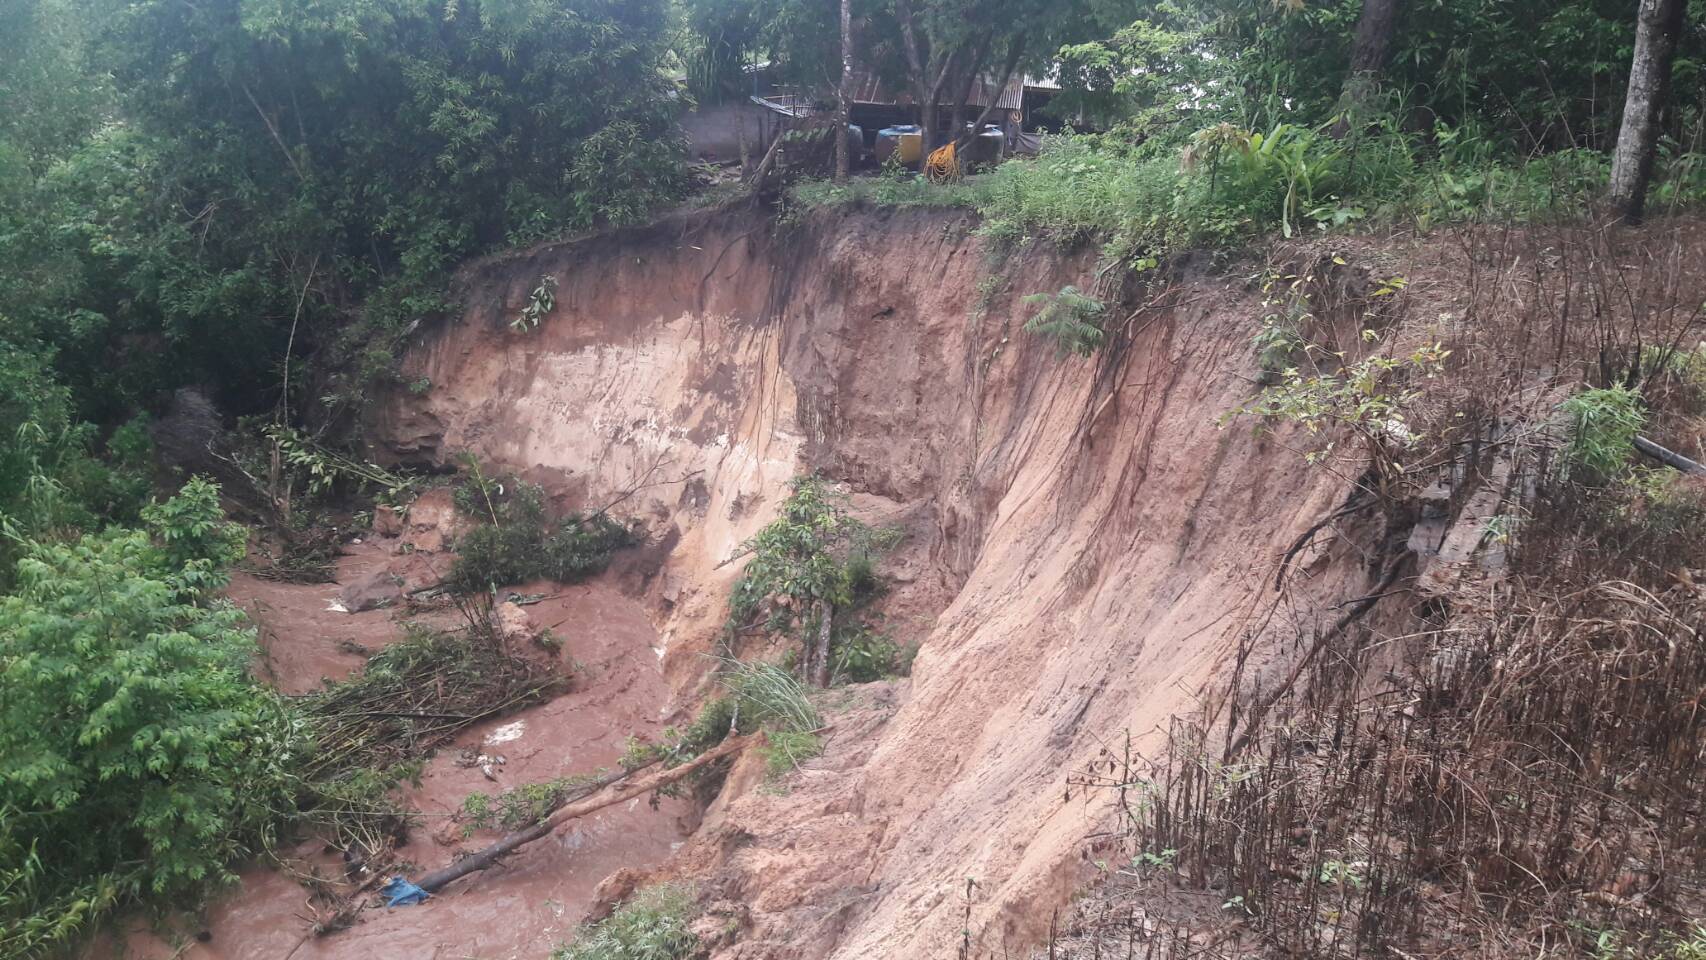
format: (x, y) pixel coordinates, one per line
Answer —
(1084, 541)
(534, 900)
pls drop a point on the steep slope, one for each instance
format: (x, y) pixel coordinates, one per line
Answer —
(1085, 542)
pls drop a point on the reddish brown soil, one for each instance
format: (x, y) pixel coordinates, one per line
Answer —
(532, 901)
(303, 639)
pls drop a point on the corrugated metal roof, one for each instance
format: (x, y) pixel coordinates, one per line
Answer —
(868, 88)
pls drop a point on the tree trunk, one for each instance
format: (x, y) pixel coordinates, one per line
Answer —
(817, 658)
(438, 879)
(1014, 52)
(745, 143)
(928, 105)
(770, 160)
(844, 107)
(1656, 32)
(1370, 49)
(974, 74)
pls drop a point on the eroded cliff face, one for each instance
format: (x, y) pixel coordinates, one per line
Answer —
(1085, 541)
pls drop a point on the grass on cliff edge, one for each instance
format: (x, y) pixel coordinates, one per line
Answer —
(1230, 187)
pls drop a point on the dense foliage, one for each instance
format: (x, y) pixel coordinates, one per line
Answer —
(138, 758)
(236, 179)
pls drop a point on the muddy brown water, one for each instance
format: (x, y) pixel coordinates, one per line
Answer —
(531, 902)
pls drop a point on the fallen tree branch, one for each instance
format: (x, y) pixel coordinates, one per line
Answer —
(438, 879)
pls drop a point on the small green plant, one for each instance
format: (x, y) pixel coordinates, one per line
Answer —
(1280, 341)
(1503, 528)
(813, 561)
(1162, 860)
(1070, 319)
(1603, 425)
(653, 925)
(862, 655)
(1691, 946)
(540, 303)
(1341, 873)
(521, 806)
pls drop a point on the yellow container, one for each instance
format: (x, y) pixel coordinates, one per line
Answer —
(911, 148)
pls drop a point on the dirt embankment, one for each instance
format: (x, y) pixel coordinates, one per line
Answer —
(1085, 542)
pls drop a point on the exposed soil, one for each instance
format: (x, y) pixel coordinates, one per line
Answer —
(1085, 542)
(1086, 546)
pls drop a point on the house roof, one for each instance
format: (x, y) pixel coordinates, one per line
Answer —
(869, 88)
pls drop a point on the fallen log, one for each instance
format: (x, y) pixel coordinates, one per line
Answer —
(438, 879)
(1668, 457)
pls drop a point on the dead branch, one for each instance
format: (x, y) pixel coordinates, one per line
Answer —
(438, 879)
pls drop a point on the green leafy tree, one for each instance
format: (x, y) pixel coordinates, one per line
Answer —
(257, 169)
(138, 758)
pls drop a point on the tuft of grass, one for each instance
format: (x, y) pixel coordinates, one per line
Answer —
(766, 695)
(653, 925)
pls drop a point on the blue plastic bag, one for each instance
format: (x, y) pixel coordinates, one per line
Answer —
(399, 892)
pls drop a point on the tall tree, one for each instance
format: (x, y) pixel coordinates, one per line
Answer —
(1656, 33)
(844, 99)
(1371, 48)
(950, 47)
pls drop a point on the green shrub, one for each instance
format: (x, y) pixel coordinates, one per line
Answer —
(653, 925)
(191, 528)
(814, 551)
(1603, 425)
(515, 541)
(863, 655)
(138, 757)
(1368, 399)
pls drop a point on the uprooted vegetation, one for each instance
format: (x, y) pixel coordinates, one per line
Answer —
(514, 541)
(753, 698)
(375, 729)
(766, 706)
(1497, 751)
